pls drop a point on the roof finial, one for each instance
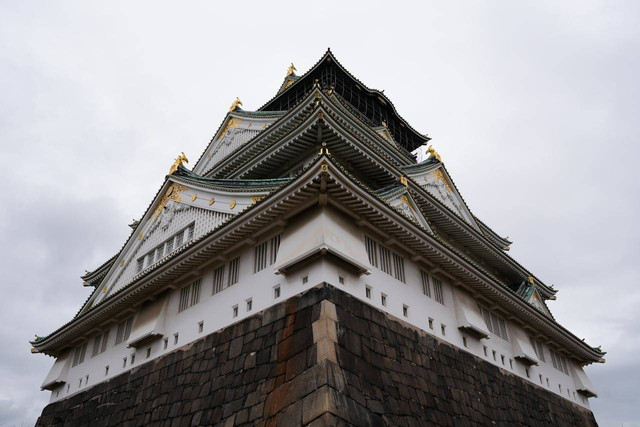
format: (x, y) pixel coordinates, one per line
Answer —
(181, 158)
(235, 104)
(530, 279)
(434, 153)
(291, 70)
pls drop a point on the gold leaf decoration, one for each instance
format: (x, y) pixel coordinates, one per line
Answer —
(173, 193)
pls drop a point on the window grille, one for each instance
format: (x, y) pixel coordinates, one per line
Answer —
(537, 347)
(218, 279)
(426, 287)
(260, 261)
(385, 260)
(234, 271)
(274, 246)
(190, 231)
(78, 356)
(97, 342)
(189, 296)
(179, 239)
(124, 330)
(559, 362)
(495, 323)
(398, 267)
(372, 250)
(276, 292)
(437, 290)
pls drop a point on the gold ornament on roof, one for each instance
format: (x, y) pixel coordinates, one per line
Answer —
(530, 279)
(434, 153)
(291, 70)
(235, 104)
(179, 160)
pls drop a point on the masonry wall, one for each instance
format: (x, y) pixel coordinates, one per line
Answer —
(320, 358)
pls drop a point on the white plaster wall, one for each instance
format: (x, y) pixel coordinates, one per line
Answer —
(216, 313)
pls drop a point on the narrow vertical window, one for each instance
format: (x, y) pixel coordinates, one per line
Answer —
(305, 279)
(385, 260)
(260, 257)
(235, 311)
(426, 287)
(200, 327)
(175, 338)
(443, 329)
(367, 291)
(383, 299)
(464, 341)
(274, 246)
(97, 343)
(165, 343)
(106, 370)
(405, 310)
(430, 323)
(276, 292)
(437, 290)
(218, 280)
(341, 280)
(249, 304)
(234, 271)
(190, 231)
(372, 250)
(105, 340)
(398, 267)
(148, 352)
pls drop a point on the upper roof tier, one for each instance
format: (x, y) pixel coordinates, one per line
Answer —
(370, 104)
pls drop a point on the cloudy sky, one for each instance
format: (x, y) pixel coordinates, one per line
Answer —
(533, 106)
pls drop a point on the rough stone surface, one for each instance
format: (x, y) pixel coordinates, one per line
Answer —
(266, 371)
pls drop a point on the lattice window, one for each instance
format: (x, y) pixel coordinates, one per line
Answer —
(559, 362)
(234, 271)
(189, 296)
(398, 267)
(537, 347)
(385, 259)
(266, 252)
(124, 330)
(495, 323)
(78, 356)
(218, 279)
(372, 250)
(437, 290)
(426, 286)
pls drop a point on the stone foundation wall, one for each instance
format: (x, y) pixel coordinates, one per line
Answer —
(322, 358)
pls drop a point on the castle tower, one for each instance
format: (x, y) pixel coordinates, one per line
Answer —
(309, 271)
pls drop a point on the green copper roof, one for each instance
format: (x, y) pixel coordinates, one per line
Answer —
(229, 184)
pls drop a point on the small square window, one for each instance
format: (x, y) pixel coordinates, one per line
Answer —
(560, 387)
(124, 362)
(341, 280)
(383, 299)
(165, 343)
(484, 348)
(305, 279)
(548, 385)
(405, 310)
(200, 326)
(86, 380)
(511, 365)
(464, 341)
(526, 371)
(148, 352)
(443, 329)
(175, 339)
(235, 311)
(249, 304)
(367, 291)
(430, 323)
(106, 370)
(133, 358)
(502, 359)
(494, 354)
(276, 292)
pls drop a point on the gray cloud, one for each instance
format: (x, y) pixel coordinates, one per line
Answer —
(533, 107)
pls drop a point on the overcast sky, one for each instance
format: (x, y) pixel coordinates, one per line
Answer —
(534, 108)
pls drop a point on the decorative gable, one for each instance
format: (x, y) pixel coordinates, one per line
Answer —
(438, 183)
(407, 206)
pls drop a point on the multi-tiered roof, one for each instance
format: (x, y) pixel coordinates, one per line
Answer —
(324, 138)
